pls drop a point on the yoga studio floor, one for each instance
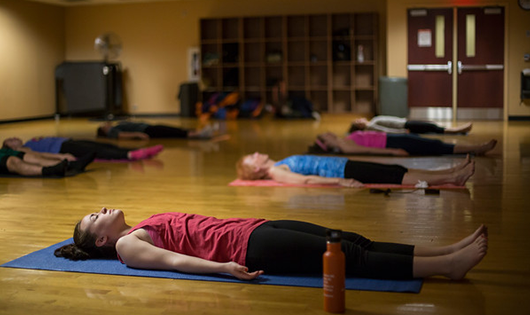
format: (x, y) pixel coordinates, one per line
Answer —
(193, 176)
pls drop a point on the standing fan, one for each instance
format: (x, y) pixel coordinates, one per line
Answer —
(108, 45)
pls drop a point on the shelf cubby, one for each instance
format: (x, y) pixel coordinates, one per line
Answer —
(316, 55)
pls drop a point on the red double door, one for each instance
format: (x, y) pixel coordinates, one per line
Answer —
(467, 77)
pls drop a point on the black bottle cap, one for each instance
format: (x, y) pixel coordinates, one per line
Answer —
(333, 236)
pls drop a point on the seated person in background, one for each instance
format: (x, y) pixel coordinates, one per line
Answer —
(381, 143)
(137, 130)
(246, 247)
(70, 148)
(311, 169)
(36, 164)
(392, 124)
(286, 106)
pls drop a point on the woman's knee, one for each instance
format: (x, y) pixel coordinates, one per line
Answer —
(14, 163)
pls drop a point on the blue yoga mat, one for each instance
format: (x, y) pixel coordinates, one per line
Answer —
(45, 260)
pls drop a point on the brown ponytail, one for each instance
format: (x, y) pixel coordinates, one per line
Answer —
(84, 247)
(101, 132)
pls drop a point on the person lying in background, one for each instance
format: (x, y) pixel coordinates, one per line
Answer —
(381, 143)
(393, 124)
(247, 248)
(35, 164)
(71, 149)
(311, 169)
(138, 130)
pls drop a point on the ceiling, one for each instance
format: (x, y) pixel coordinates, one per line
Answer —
(93, 2)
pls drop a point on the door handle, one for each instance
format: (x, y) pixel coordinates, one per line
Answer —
(447, 67)
(461, 67)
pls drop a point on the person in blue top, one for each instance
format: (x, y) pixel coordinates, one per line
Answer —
(71, 149)
(311, 169)
(144, 131)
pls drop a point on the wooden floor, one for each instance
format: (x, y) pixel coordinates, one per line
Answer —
(192, 176)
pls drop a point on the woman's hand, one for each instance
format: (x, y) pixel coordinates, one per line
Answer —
(67, 156)
(350, 182)
(142, 136)
(399, 152)
(241, 272)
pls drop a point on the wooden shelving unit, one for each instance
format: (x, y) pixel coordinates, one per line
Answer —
(316, 55)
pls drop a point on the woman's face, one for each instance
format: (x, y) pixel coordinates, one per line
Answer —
(106, 126)
(13, 143)
(360, 123)
(106, 222)
(256, 159)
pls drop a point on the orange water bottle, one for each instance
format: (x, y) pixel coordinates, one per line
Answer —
(334, 273)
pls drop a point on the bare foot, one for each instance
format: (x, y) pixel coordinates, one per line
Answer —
(461, 176)
(486, 147)
(463, 164)
(465, 128)
(329, 139)
(468, 257)
(482, 230)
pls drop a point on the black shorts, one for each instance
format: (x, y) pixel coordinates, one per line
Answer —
(416, 145)
(294, 247)
(3, 162)
(375, 173)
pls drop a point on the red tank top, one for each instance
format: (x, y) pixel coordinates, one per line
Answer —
(220, 240)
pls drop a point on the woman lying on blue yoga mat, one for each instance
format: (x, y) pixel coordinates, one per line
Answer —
(311, 169)
(246, 248)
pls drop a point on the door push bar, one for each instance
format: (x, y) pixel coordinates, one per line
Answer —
(462, 67)
(448, 67)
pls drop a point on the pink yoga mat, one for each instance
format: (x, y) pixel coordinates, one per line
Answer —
(271, 183)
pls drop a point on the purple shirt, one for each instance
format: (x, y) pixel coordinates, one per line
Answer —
(46, 144)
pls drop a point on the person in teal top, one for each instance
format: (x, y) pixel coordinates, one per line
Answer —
(311, 169)
(21, 163)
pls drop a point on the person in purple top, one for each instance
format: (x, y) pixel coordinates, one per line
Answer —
(312, 169)
(71, 149)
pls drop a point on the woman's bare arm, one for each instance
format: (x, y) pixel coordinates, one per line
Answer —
(56, 156)
(348, 146)
(282, 175)
(138, 253)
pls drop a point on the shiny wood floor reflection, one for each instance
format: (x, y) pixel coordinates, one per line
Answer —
(192, 176)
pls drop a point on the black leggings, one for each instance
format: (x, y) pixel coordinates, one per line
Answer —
(416, 145)
(105, 151)
(161, 131)
(375, 173)
(416, 126)
(294, 247)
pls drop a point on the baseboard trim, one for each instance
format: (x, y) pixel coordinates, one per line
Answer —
(518, 118)
(10, 121)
